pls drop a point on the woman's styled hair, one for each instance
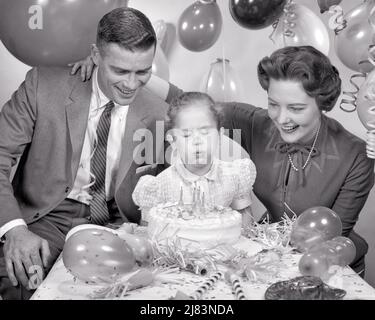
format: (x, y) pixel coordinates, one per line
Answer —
(127, 27)
(187, 99)
(313, 69)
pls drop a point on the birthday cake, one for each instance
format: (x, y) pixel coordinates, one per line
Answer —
(192, 225)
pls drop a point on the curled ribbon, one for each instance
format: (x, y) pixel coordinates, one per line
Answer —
(337, 21)
(351, 98)
(287, 21)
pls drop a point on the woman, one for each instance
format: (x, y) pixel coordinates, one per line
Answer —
(303, 158)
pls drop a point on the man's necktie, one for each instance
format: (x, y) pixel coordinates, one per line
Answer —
(98, 204)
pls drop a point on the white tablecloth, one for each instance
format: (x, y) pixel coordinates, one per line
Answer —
(61, 285)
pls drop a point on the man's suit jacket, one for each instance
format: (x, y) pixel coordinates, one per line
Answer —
(44, 123)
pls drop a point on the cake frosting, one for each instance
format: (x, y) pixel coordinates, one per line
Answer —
(192, 225)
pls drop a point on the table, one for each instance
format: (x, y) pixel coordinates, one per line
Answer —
(61, 285)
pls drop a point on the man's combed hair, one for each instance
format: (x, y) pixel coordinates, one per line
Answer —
(313, 69)
(187, 99)
(127, 27)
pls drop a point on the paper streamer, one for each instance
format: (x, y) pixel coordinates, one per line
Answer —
(289, 16)
(337, 21)
(233, 279)
(351, 96)
(209, 283)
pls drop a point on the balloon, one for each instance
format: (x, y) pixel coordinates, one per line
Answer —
(352, 43)
(221, 82)
(141, 247)
(314, 226)
(199, 26)
(53, 32)
(301, 26)
(96, 255)
(324, 5)
(345, 249)
(256, 14)
(160, 65)
(326, 250)
(366, 102)
(314, 264)
(87, 226)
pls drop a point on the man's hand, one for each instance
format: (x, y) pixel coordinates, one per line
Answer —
(24, 253)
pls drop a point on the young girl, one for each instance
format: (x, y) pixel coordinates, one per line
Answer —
(194, 122)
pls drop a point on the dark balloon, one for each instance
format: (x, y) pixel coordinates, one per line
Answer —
(52, 32)
(324, 5)
(97, 255)
(199, 26)
(256, 14)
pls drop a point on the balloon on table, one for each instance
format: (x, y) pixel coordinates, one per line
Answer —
(324, 5)
(352, 42)
(314, 226)
(95, 255)
(300, 26)
(53, 32)
(141, 246)
(199, 26)
(345, 249)
(256, 14)
(314, 263)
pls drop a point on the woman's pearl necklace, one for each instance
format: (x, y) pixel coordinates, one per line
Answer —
(309, 155)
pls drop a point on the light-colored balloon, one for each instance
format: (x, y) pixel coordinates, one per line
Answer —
(87, 226)
(97, 256)
(141, 246)
(53, 32)
(314, 263)
(160, 66)
(222, 82)
(314, 226)
(352, 43)
(345, 249)
(366, 102)
(306, 29)
(199, 26)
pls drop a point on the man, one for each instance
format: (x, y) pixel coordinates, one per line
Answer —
(76, 145)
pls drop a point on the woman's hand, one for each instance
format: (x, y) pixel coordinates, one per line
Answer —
(86, 65)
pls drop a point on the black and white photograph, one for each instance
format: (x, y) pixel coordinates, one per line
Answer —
(199, 150)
